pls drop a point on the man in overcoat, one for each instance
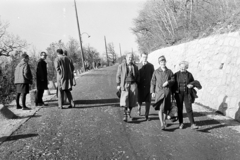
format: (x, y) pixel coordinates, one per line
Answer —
(41, 79)
(65, 74)
(146, 70)
(127, 78)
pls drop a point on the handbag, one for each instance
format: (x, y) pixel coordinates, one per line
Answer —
(118, 93)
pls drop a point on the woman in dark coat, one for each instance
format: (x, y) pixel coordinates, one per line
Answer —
(182, 88)
(162, 81)
(41, 79)
(23, 77)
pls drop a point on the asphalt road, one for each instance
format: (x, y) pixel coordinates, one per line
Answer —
(95, 130)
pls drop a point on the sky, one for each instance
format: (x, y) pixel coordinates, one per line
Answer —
(41, 22)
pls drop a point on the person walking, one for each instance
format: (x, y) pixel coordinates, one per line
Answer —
(146, 70)
(127, 78)
(182, 88)
(162, 81)
(22, 79)
(41, 79)
(65, 74)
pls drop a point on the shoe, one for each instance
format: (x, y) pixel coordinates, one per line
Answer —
(41, 104)
(129, 118)
(19, 107)
(194, 126)
(162, 127)
(181, 126)
(60, 107)
(139, 113)
(125, 118)
(26, 108)
(147, 119)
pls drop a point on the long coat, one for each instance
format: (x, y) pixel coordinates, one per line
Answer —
(122, 73)
(162, 93)
(145, 72)
(23, 74)
(65, 75)
(41, 75)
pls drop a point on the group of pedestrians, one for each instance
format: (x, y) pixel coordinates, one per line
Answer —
(23, 78)
(140, 83)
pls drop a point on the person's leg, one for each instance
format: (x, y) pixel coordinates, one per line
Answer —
(161, 115)
(70, 98)
(188, 106)
(147, 108)
(37, 97)
(24, 107)
(125, 114)
(60, 93)
(40, 100)
(139, 108)
(179, 101)
(17, 101)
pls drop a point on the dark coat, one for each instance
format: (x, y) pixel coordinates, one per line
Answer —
(41, 75)
(192, 93)
(122, 73)
(145, 72)
(158, 78)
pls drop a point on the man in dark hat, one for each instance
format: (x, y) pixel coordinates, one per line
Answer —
(41, 79)
(146, 70)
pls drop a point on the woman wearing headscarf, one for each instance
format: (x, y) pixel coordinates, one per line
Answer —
(183, 87)
(162, 81)
(23, 78)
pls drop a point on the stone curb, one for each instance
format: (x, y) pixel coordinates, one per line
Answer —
(9, 126)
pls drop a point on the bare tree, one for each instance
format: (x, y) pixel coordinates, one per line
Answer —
(9, 42)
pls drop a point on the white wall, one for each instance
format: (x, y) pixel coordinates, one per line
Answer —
(221, 87)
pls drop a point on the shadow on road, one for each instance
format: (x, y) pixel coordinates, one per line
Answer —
(32, 116)
(16, 137)
(97, 101)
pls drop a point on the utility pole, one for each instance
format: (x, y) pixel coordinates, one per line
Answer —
(120, 49)
(106, 49)
(80, 37)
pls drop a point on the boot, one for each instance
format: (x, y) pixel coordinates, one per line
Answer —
(129, 115)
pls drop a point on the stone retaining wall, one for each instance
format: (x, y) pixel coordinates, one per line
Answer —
(215, 62)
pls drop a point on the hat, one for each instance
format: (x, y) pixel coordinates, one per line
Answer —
(25, 55)
(161, 58)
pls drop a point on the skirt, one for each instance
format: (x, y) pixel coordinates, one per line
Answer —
(129, 96)
(22, 88)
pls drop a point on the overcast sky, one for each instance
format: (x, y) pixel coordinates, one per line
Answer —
(41, 22)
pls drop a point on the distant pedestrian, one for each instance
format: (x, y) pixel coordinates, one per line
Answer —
(23, 78)
(183, 87)
(41, 79)
(65, 74)
(127, 78)
(146, 70)
(162, 81)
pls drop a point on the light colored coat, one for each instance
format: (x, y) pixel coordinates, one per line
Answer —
(65, 75)
(122, 73)
(23, 73)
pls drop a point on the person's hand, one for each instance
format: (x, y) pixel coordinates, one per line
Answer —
(118, 87)
(153, 95)
(190, 86)
(165, 84)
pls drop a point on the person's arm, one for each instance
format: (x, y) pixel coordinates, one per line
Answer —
(27, 73)
(57, 66)
(171, 81)
(153, 84)
(118, 76)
